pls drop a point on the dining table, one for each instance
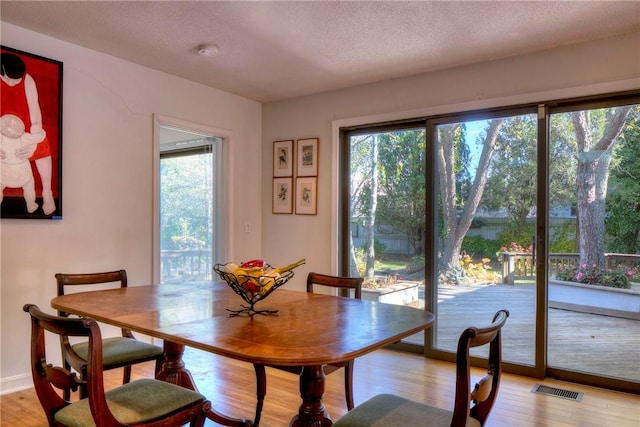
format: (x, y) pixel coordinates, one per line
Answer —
(298, 329)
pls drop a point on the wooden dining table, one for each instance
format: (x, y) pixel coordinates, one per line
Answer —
(308, 330)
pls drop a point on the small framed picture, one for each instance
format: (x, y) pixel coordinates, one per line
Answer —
(306, 195)
(282, 196)
(307, 164)
(283, 158)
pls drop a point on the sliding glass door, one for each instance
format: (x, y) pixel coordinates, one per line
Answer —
(486, 193)
(594, 274)
(526, 208)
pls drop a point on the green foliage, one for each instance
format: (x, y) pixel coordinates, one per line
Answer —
(479, 247)
(592, 275)
(511, 181)
(562, 165)
(623, 200)
(378, 248)
(186, 202)
(616, 280)
(401, 198)
(361, 251)
(361, 179)
(417, 260)
(563, 239)
(462, 162)
(517, 238)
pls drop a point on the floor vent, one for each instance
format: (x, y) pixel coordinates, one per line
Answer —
(558, 392)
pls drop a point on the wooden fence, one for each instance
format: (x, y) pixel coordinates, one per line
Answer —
(521, 265)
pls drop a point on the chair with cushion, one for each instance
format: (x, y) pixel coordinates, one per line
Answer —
(118, 352)
(345, 286)
(144, 402)
(471, 407)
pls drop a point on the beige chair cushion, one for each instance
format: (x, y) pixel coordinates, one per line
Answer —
(135, 402)
(386, 410)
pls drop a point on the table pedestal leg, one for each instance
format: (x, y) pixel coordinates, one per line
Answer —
(173, 371)
(311, 412)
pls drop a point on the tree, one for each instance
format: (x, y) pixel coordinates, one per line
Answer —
(186, 202)
(596, 132)
(562, 177)
(387, 188)
(622, 222)
(511, 182)
(362, 176)
(449, 136)
(370, 252)
(401, 204)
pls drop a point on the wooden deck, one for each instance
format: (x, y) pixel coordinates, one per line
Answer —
(590, 343)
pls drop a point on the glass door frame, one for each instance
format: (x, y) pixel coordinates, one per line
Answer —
(543, 110)
(564, 106)
(431, 272)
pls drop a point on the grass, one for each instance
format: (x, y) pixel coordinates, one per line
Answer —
(390, 265)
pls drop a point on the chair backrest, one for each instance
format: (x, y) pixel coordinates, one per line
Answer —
(343, 283)
(47, 377)
(86, 279)
(477, 403)
(63, 279)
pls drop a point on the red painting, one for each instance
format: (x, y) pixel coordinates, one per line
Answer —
(31, 132)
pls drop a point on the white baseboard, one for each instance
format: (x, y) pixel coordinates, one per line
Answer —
(15, 383)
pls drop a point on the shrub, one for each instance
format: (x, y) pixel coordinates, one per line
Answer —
(563, 238)
(595, 276)
(478, 272)
(520, 236)
(479, 247)
(378, 247)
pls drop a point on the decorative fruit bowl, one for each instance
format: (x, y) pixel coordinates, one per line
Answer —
(254, 281)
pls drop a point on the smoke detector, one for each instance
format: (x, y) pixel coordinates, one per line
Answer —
(207, 50)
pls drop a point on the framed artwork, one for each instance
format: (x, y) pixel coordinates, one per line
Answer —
(306, 195)
(283, 158)
(282, 196)
(31, 136)
(307, 164)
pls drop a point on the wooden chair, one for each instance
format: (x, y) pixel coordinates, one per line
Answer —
(345, 285)
(470, 409)
(119, 352)
(145, 402)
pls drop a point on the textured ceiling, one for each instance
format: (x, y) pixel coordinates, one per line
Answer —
(270, 50)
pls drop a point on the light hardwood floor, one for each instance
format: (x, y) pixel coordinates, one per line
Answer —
(230, 385)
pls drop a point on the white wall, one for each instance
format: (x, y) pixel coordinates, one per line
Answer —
(583, 69)
(108, 108)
